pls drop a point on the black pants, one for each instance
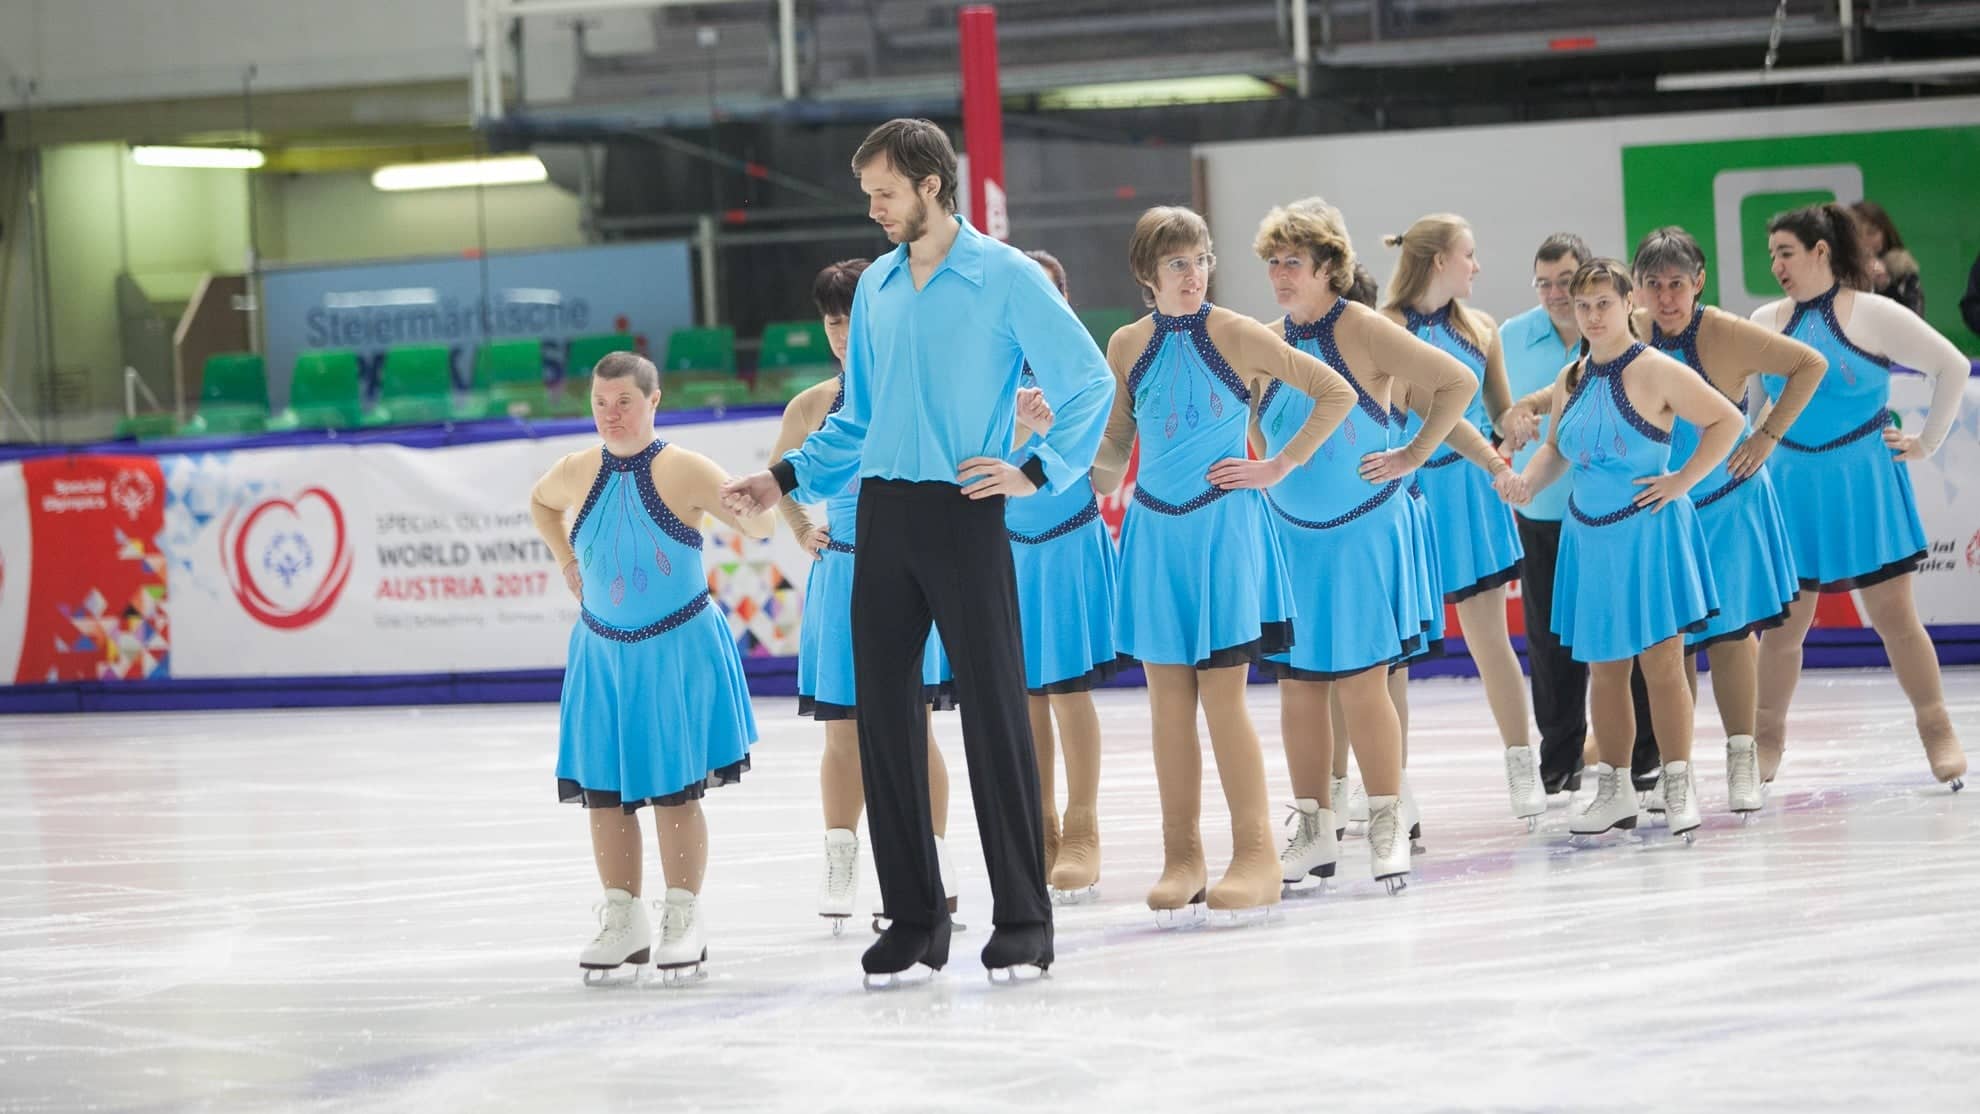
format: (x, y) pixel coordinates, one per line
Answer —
(1560, 683)
(927, 552)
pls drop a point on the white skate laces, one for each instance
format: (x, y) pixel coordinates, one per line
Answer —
(1680, 799)
(1523, 785)
(1742, 774)
(841, 885)
(1388, 845)
(1306, 850)
(615, 922)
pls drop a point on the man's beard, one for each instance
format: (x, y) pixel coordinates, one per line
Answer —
(915, 225)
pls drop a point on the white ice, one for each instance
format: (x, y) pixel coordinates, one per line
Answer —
(381, 910)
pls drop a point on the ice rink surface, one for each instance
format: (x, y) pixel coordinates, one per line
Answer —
(381, 910)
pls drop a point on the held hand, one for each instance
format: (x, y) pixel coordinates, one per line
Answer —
(1513, 488)
(751, 495)
(985, 476)
(1518, 426)
(1234, 473)
(1751, 454)
(1033, 413)
(1659, 491)
(574, 579)
(815, 540)
(1903, 446)
(1380, 468)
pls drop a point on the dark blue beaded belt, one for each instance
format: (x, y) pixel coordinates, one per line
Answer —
(619, 634)
(1086, 514)
(1445, 461)
(1720, 492)
(1158, 506)
(837, 546)
(1380, 497)
(1609, 519)
(1859, 433)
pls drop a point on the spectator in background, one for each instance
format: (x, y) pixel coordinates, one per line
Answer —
(1892, 268)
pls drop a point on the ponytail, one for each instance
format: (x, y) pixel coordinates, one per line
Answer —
(1836, 226)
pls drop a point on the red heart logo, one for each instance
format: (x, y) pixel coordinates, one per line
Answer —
(283, 556)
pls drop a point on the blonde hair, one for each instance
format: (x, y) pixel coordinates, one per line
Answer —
(1160, 231)
(1316, 228)
(1428, 238)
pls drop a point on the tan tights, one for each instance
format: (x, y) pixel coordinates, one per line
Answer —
(1398, 697)
(683, 832)
(1612, 709)
(1306, 720)
(843, 794)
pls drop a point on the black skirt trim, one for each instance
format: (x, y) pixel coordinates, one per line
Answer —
(1755, 627)
(1869, 579)
(1688, 628)
(1285, 671)
(1087, 681)
(570, 792)
(939, 698)
(1498, 579)
(1273, 638)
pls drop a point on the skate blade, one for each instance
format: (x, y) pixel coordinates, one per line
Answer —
(838, 921)
(1189, 916)
(1394, 883)
(1086, 896)
(1956, 784)
(919, 975)
(1242, 918)
(1021, 973)
(881, 924)
(601, 978)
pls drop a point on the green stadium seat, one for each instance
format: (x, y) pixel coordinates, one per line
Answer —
(508, 380)
(415, 386)
(794, 344)
(1102, 323)
(147, 427)
(233, 396)
(324, 393)
(701, 350)
(584, 354)
(702, 392)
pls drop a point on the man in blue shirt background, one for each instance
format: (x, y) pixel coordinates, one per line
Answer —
(942, 327)
(1538, 344)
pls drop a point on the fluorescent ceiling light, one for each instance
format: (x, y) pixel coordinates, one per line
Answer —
(1215, 89)
(204, 158)
(504, 170)
(1926, 71)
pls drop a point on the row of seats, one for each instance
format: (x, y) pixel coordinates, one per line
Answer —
(416, 387)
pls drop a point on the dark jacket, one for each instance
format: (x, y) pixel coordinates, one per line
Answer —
(1969, 306)
(1901, 283)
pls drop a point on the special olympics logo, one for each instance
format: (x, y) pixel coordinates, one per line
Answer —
(287, 560)
(132, 491)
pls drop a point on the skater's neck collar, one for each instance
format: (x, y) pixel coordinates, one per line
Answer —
(1318, 327)
(1418, 320)
(1824, 299)
(642, 458)
(965, 258)
(1186, 321)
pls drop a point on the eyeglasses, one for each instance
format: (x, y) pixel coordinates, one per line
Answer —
(1546, 285)
(1207, 262)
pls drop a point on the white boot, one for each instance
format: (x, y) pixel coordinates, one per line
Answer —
(1357, 804)
(1612, 806)
(1529, 800)
(1412, 816)
(1388, 844)
(624, 936)
(1651, 799)
(1312, 851)
(1339, 798)
(839, 890)
(1742, 775)
(1680, 798)
(682, 950)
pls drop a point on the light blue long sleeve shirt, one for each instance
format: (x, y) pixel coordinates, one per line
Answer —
(1534, 359)
(932, 374)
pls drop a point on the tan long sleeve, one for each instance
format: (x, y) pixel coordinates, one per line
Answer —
(1117, 443)
(1253, 349)
(1375, 347)
(1733, 348)
(804, 414)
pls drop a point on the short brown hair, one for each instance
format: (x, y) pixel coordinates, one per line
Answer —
(1160, 231)
(832, 290)
(916, 149)
(622, 365)
(1054, 268)
(1559, 246)
(1316, 228)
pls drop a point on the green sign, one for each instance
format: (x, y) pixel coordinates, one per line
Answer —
(1723, 193)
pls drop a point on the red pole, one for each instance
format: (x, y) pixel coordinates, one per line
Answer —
(983, 120)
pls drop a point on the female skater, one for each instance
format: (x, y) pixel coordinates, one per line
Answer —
(825, 665)
(1752, 562)
(1633, 577)
(655, 709)
(1204, 592)
(1851, 517)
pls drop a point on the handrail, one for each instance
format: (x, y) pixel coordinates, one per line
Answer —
(133, 383)
(26, 426)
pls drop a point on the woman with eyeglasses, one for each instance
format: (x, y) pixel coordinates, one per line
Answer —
(1744, 531)
(1204, 592)
(1633, 577)
(1350, 540)
(1477, 542)
(1844, 488)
